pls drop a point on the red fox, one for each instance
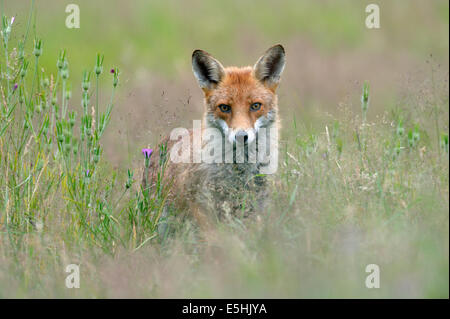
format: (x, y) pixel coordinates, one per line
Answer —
(241, 105)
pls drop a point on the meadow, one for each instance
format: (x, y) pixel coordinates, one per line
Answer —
(363, 173)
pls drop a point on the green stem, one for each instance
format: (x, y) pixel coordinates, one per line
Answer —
(96, 102)
(34, 77)
(63, 104)
(28, 23)
(7, 63)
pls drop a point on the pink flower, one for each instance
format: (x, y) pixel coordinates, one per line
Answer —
(147, 152)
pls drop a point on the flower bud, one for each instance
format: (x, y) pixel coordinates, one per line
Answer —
(129, 180)
(37, 48)
(98, 69)
(115, 77)
(85, 85)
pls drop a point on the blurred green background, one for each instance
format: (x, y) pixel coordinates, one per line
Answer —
(160, 35)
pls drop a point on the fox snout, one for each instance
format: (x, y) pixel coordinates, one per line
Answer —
(241, 126)
(242, 136)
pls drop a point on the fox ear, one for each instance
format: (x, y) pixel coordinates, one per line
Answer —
(269, 67)
(207, 70)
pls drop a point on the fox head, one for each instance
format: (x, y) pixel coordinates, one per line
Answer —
(240, 101)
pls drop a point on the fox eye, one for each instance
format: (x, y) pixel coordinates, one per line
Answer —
(225, 108)
(255, 106)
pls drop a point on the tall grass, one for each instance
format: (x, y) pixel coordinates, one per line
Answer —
(355, 193)
(53, 177)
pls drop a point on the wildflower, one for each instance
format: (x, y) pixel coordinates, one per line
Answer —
(112, 71)
(15, 86)
(147, 153)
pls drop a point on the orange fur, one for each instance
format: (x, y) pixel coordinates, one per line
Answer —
(194, 185)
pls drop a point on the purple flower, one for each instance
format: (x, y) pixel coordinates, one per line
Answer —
(147, 152)
(15, 86)
(112, 71)
(87, 173)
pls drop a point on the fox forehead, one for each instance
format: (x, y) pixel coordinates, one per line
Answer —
(239, 87)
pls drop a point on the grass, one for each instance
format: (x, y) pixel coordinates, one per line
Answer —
(352, 191)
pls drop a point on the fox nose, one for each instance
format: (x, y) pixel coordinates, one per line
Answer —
(242, 135)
